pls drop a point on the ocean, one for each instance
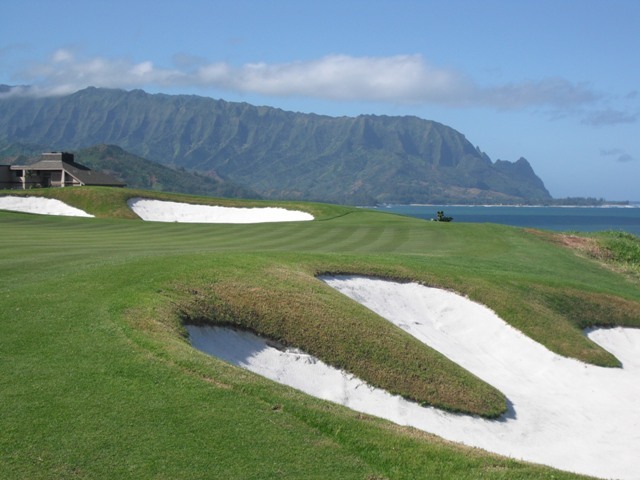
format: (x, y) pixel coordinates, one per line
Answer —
(567, 219)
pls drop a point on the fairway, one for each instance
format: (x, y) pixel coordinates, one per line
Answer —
(99, 379)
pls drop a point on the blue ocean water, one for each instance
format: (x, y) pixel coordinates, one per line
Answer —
(568, 219)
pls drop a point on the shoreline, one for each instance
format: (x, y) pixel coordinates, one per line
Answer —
(457, 205)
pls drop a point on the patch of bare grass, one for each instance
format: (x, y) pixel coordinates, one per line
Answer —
(617, 251)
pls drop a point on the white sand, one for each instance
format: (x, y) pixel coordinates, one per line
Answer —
(40, 205)
(563, 413)
(163, 211)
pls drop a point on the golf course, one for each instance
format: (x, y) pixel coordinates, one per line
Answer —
(99, 378)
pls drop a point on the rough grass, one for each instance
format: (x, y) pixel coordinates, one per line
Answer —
(614, 249)
(622, 250)
(99, 381)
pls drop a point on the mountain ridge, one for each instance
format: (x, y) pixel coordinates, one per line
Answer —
(278, 154)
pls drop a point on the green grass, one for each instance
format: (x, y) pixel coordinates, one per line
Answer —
(98, 380)
(622, 249)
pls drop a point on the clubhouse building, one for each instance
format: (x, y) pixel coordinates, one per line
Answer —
(53, 169)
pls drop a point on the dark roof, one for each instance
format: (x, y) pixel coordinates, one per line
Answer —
(47, 164)
(90, 177)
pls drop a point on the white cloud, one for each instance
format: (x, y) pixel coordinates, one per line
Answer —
(399, 79)
(609, 116)
(339, 77)
(142, 69)
(62, 55)
(553, 92)
(65, 73)
(618, 155)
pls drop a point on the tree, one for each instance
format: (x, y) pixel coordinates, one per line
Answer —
(442, 218)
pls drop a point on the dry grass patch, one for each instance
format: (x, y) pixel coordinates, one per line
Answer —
(616, 251)
(581, 244)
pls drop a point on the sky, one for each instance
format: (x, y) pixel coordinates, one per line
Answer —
(554, 81)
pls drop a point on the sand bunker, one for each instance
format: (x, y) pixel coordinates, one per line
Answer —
(163, 211)
(40, 205)
(563, 413)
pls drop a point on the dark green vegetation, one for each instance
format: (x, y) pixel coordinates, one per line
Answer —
(138, 172)
(98, 380)
(622, 249)
(363, 160)
(134, 171)
(441, 217)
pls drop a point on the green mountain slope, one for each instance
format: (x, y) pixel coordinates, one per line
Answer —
(135, 171)
(138, 172)
(278, 154)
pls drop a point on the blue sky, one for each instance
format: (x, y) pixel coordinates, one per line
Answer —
(554, 81)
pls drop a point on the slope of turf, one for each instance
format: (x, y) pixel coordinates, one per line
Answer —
(99, 381)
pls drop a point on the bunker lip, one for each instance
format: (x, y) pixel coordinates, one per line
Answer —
(165, 211)
(563, 413)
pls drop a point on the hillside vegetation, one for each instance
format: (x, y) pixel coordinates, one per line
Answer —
(360, 160)
(134, 171)
(99, 381)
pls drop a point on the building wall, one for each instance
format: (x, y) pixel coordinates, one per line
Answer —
(56, 179)
(5, 176)
(8, 178)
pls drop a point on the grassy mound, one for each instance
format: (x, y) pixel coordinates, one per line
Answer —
(281, 300)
